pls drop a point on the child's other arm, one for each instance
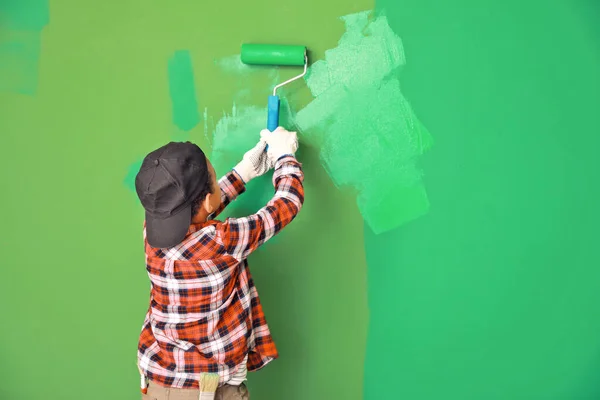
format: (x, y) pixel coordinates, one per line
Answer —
(231, 187)
(241, 236)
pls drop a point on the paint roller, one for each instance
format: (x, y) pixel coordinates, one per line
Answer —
(273, 54)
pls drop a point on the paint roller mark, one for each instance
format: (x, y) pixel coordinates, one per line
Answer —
(183, 94)
(232, 64)
(369, 136)
(248, 80)
(20, 29)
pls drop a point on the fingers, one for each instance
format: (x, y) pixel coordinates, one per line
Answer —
(266, 132)
(280, 129)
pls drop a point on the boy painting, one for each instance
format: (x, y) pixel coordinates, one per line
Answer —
(205, 324)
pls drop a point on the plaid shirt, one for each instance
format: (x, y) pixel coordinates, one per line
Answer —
(205, 314)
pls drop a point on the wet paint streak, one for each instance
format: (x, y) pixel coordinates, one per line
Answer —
(233, 64)
(131, 174)
(369, 136)
(183, 93)
(21, 23)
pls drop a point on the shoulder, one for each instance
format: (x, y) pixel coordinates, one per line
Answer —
(203, 241)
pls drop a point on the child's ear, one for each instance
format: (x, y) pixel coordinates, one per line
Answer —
(206, 203)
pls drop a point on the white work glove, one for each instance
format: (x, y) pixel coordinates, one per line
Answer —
(254, 163)
(281, 143)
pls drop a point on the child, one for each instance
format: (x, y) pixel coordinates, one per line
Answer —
(205, 318)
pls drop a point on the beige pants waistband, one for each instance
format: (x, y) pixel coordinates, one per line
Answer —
(225, 392)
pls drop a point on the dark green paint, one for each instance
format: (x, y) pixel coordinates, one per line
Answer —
(132, 172)
(24, 15)
(183, 93)
(494, 293)
(21, 22)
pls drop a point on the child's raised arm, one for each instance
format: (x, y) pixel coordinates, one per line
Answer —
(231, 187)
(241, 236)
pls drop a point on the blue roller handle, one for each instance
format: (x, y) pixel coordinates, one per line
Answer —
(273, 114)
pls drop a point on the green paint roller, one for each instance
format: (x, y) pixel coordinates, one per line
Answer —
(273, 54)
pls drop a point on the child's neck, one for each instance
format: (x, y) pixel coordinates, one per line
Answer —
(200, 217)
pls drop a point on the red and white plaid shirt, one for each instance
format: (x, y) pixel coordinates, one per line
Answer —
(205, 314)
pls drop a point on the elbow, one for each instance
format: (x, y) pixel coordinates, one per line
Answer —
(293, 205)
(300, 200)
(297, 196)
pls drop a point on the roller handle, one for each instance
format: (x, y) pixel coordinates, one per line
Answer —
(273, 113)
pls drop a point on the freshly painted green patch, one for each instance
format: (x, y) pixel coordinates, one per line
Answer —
(19, 54)
(369, 137)
(21, 23)
(131, 174)
(183, 93)
(24, 15)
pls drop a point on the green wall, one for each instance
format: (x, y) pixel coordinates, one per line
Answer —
(74, 289)
(490, 295)
(494, 293)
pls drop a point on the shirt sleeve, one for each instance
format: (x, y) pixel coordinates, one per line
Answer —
(241, 236)
(231, 187)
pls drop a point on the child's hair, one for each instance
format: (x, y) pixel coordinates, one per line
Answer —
(205, 192)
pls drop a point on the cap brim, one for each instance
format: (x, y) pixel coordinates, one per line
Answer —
(168, 232)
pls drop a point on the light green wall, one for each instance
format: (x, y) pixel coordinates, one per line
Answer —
(74, 289)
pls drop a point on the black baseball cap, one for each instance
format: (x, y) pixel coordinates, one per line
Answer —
(169, 181)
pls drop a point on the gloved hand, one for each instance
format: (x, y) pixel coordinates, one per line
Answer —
(254, 163)
(281, 143)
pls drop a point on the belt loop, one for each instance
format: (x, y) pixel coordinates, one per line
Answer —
(208, 384)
